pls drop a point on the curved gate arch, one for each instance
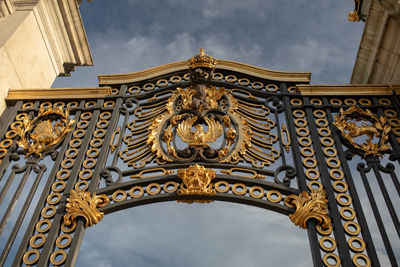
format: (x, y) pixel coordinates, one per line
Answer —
(227, 188)
(198, 131)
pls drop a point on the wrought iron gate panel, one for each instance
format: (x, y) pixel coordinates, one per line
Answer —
(260, 141)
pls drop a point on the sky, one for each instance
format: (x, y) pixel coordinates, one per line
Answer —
(129, 36)
(302, 35)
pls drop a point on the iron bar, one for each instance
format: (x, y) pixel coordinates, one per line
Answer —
(17, 225)
(361, 168)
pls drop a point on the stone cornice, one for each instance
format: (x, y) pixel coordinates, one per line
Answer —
(58, 93)
(347, 89)
(370, 43)
(62, 29)
(6, 8)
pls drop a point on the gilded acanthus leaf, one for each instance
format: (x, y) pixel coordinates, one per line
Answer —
(84, 204)
(153, 139)
(312, 205)
(213, 95)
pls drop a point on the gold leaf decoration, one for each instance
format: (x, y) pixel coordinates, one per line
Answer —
(196, 180)
(199, 138)
(217, 124)
(39, 134)
(84, 204)
(312, 205)
(202, 60)
(350, 130)
(354, 15)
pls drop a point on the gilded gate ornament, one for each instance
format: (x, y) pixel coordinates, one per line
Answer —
(84, 204)
(312, 205)
(199, 138)
(41, 133)
(354, 15)
(376, 128)
(196, 180)
(201, 122)
(202, 60)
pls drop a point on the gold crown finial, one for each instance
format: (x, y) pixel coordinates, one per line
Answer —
(202, 60)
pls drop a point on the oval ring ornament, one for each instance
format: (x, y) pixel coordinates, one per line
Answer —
(350, 130)
(39, 134)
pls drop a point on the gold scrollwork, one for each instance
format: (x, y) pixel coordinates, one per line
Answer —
(236, 171)
(196, 181)
(84, 204)
(112, 140)
(39, 134)
(285, 141)
(350, 130)
(309, 205)
(193, 119)
(158, 172)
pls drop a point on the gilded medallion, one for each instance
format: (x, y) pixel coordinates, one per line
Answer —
(46, 130)
(363, 130)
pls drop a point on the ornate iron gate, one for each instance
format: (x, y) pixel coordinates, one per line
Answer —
(326, 156)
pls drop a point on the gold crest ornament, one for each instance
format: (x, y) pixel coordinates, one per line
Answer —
(46, 130)
(83, 204)
(354, 15)
(196, 180)
(199, 138)
(202, 60)
(351, 130)
(309, 205)
(202, 123)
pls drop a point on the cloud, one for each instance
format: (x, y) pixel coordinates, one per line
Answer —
(178, 234)
(294, 36)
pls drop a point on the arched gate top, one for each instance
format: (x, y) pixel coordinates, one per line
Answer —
(107, 79)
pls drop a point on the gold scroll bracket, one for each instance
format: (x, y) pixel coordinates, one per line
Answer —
(312, 205)
(84, 204)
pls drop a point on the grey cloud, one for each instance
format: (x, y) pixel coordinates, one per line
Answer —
(295, 36)
(178, 234)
